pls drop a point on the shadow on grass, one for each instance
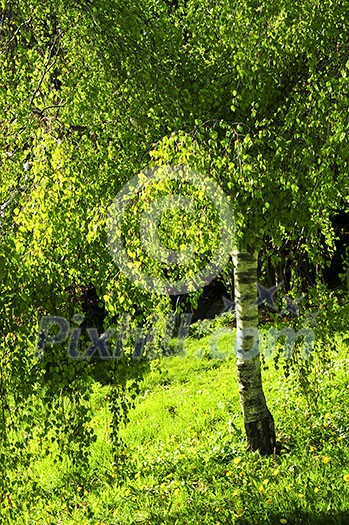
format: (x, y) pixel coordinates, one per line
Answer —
(299, 517)
(295, 518)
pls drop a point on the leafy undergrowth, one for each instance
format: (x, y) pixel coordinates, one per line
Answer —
(184, 460)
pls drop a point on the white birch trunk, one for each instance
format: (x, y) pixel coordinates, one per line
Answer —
(259, 423)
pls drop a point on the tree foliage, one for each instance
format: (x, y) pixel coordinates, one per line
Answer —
(253, 94)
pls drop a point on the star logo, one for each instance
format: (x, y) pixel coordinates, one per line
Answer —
(291, 305)
(265, 295)
(228, 305)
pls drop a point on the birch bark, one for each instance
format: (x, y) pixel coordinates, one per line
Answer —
(258, 421)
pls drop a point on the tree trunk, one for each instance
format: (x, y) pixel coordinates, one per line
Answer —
(259, 423)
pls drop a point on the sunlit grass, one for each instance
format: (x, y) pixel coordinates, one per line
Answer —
(185, 460)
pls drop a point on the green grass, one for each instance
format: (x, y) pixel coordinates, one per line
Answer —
(185, 460)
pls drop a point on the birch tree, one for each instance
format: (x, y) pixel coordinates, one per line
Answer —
(254, 95)
(258, 421)
(264, 96)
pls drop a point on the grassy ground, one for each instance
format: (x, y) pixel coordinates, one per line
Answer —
(185, 460)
